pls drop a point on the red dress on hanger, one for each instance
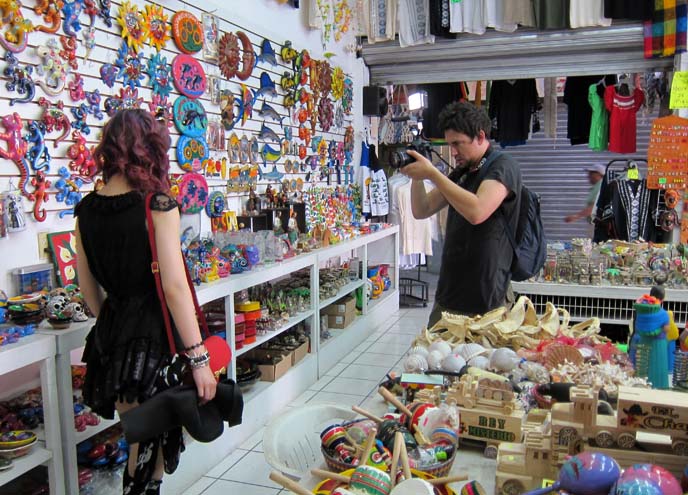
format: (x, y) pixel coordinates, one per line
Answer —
(622, 119)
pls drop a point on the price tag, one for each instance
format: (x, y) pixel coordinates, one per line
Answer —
(547, 483)
(662, 180)
(633, 174)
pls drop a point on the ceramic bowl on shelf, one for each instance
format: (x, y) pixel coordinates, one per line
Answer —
(5, 464)
(60, 323)
(16, 438)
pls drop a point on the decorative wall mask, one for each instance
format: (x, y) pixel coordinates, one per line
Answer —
(229, 55)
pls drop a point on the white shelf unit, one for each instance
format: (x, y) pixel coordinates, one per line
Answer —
(264, 399)
(27, 351)
(611, 304)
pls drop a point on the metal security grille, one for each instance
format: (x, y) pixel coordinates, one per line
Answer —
(612, 305)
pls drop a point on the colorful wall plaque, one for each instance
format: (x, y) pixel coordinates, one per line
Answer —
(187, 32)
(192, 152)
(188, 76)
(190, 117)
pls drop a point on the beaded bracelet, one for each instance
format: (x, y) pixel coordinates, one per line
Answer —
(198, 361)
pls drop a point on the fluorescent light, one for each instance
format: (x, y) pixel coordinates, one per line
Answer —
(418, 100)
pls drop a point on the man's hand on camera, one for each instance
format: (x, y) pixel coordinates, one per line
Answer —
(421, 169)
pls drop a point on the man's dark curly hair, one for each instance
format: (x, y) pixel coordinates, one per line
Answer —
(465, 118)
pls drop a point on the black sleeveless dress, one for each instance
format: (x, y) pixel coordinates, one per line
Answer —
(127, 353)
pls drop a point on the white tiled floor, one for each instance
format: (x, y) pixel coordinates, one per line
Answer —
(352, 381)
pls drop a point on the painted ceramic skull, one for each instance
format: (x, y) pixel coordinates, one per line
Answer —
(78, 311)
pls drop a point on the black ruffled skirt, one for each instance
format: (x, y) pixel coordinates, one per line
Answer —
(126, 351)
(128, 360)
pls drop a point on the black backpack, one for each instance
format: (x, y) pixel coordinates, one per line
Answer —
(529, 243)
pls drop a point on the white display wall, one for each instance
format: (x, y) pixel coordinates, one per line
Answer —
(258, 18)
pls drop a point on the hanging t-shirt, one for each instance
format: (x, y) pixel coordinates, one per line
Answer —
(494, 16)
(379, 196)
(599, 121)
(414, 22)
(579, 111)
(622, 121)
(551, 14)
(415, 234)
(584, 13)
(519, 12)
(439, 19)
(511, 106)
(466, 16)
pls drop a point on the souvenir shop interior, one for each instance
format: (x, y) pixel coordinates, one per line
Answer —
(289, 123)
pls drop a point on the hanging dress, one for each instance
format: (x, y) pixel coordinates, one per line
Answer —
(599, 122)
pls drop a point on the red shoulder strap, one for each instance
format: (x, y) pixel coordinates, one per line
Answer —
(155, 269)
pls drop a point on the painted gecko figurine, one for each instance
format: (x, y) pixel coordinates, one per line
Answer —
(38, 154)
(39, 195)
(16, 148)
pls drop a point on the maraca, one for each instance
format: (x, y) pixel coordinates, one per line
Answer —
(473, 488)
(334, 438)
(588, 473)
(666, 481)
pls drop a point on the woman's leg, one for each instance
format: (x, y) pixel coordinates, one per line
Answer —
(138, 483)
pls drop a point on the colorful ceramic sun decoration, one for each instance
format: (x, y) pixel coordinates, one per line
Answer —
(134, 27)
(159, 74)
(158, 29)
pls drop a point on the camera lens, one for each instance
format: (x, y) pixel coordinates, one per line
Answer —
(398, 159)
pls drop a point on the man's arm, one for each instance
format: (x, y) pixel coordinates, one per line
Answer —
(584, 213)
(476, 208)
(425, 204)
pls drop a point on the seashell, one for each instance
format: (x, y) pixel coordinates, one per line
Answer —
(557, 354)
(453, 362)
(470, 350)
(504, 359)
(415, 363)
(435, 360)
(420, 350)
(480, 362)
(442, 347)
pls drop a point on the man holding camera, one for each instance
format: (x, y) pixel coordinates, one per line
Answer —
(475, 274)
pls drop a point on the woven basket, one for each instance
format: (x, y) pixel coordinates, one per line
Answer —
(438, 470)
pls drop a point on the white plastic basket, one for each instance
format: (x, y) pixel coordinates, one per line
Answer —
(291, 442)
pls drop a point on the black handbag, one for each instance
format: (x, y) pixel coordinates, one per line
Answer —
(179, 406)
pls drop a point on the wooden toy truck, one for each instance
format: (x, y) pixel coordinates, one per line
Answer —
(654, 419)
(488, 411)
(653, 411)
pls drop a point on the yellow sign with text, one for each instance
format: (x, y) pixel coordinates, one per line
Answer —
(547, 483)
(679, 90)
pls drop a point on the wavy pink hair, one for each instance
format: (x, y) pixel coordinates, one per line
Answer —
(135, 145)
